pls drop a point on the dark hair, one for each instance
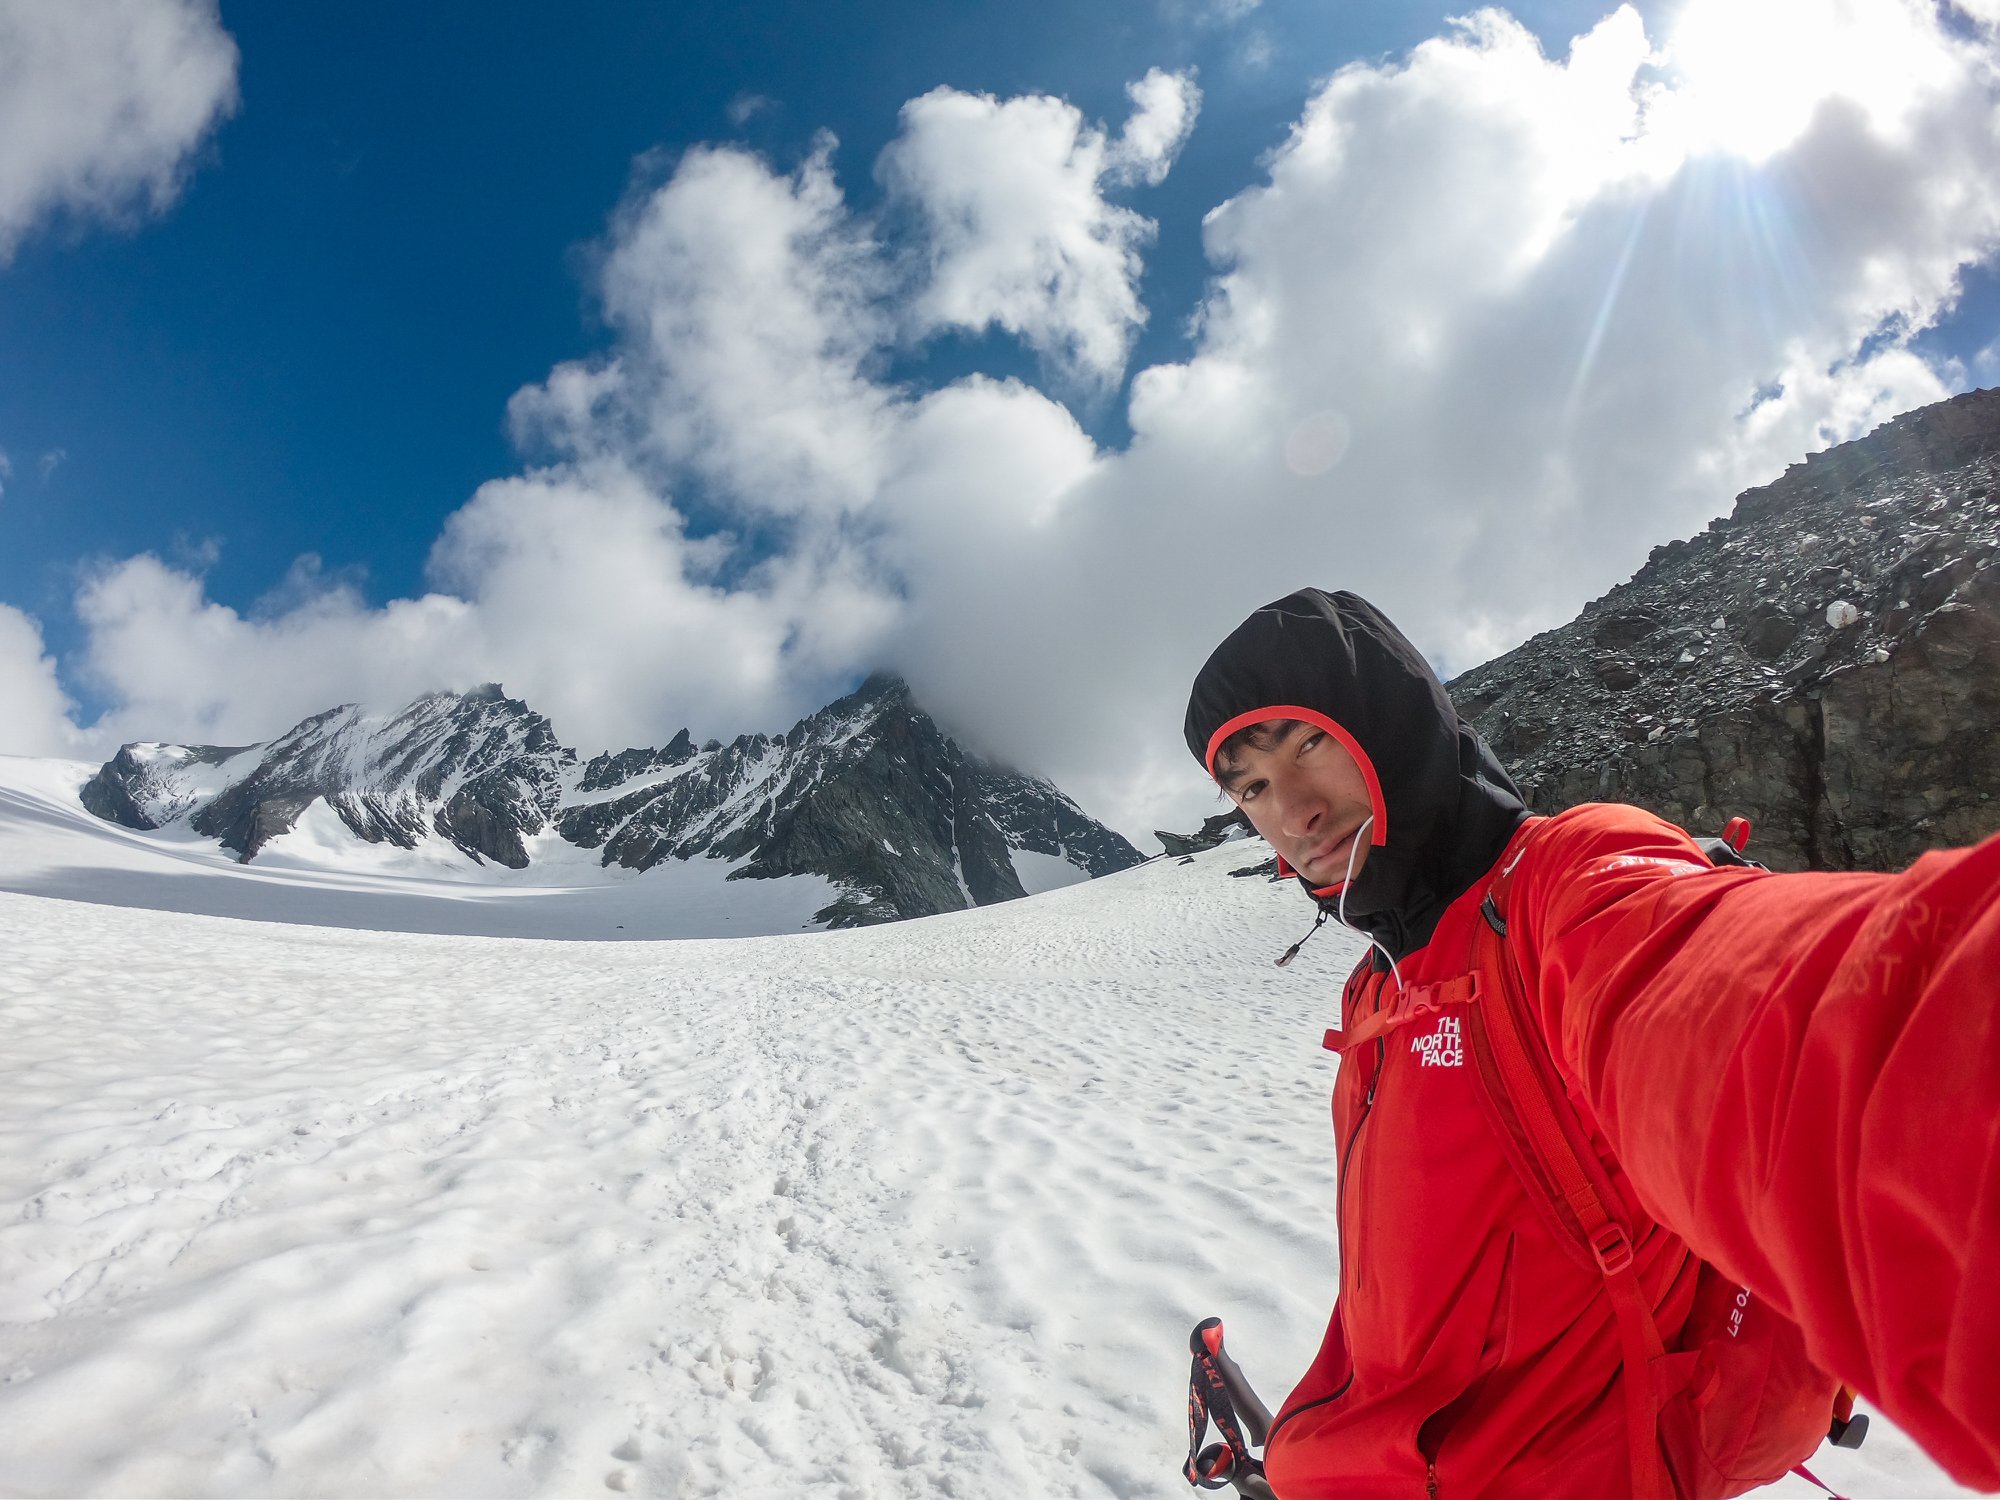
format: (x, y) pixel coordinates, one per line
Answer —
(1267, 735)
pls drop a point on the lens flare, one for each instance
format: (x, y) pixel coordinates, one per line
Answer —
(1317, 444)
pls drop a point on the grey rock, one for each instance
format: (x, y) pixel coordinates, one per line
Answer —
(1617, 674)
(1615, 632)
(1849, 748)
(614, 770)
(1214, 830)
(149, 785)
(1769, 631)
(1267, 868)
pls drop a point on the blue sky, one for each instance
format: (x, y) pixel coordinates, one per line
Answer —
(313, 349)
(397, 218)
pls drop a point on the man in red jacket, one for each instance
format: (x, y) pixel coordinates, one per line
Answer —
(1794, 1077)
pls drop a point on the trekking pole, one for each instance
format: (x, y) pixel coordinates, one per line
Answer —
(1219, 1391)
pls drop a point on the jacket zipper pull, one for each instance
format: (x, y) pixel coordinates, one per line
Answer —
(1293, 951)
(1431, 1480)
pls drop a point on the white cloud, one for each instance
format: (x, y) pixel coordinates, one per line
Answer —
(746, 107)
(747, 307)
(1164, 106)
(1726, 93)
(101, 104)
(179, 666)
(583, 587)
(1492, 325)
(1016, 228)
(575, 587)
(35, 713)
(1540, 328)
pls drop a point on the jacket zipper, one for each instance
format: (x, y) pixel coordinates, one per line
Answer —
(1348, 1243)
(1431, 1480)
(1367, 1104)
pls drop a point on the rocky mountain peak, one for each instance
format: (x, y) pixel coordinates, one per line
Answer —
(1825, 660)
(1930, 440)
(867, 792)
(479, 768)
(880, 687)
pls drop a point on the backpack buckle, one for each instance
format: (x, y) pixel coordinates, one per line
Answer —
(1613, 1250)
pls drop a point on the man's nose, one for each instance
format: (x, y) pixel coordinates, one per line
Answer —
(1303, 810)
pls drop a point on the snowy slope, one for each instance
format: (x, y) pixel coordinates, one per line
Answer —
(907, 1211)
(320, 874)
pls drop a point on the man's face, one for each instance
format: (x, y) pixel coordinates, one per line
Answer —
(1303, 792)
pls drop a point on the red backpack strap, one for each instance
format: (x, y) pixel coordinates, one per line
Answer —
(1407, 1003)
(1522, 1071)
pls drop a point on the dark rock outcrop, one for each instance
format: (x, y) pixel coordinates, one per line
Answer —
(480, 769)
(1825, 660)
(149, 785)
(868, 792)
(1216, 830)
(615, 770)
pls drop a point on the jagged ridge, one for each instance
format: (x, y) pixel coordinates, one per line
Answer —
(1726, 678)
(868, 792)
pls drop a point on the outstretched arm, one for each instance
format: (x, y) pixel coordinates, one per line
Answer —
(1801, 1075)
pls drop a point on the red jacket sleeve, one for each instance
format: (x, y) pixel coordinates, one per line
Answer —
(1801, 1075)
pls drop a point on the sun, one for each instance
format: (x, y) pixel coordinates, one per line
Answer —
(1747, 76)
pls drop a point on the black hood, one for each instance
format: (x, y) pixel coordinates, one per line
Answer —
(1448, 806)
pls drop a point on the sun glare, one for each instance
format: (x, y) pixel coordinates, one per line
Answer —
(1747, 75)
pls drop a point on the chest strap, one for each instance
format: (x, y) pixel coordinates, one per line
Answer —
(1399, 1007)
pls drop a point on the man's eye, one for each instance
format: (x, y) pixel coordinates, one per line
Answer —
(1250, 791)
(1310, 742)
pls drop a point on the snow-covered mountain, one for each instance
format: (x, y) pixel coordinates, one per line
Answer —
(868, 793)
(478, 769)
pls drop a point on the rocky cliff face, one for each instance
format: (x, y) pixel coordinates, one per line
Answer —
(868, 792)
(477, 769)
(1825, 660)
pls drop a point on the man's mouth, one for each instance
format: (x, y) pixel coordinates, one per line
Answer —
(1338, 849)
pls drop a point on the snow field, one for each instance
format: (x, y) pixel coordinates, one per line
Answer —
(921, 1210)
(925, 1210)
(320, 874)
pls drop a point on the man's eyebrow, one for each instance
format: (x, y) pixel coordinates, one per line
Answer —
(1281, 731)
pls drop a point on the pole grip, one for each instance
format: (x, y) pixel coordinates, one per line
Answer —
(1251, 1412)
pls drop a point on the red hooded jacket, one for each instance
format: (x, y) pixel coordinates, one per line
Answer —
(1798, 1076)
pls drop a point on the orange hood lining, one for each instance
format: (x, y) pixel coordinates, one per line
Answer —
(1378, 832)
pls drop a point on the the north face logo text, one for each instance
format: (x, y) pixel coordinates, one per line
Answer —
(1443, 1048)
